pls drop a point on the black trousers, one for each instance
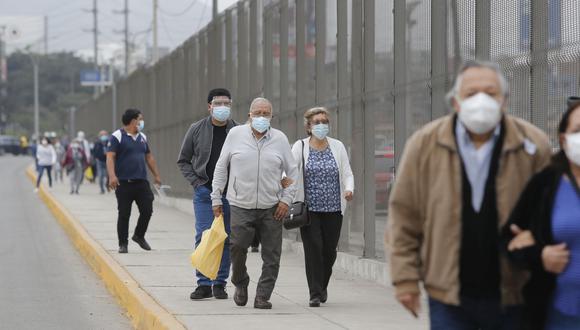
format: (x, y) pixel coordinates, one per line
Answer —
(320, 240)
(127, 193)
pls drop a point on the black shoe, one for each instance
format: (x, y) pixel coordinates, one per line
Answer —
(314, 302)
(241, 295)
(324, 296)
(123, 248)
(262, 303)
(255, 249)
(219, 292)
(201, 292)
(142, 242)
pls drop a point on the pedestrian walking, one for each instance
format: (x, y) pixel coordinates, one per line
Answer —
(458, 180)
(128, 155)
(329, 184)
(100, 157)
(198, 156)
(46, 158)
(543, 234)
(75, 163)
(60, 154)
(255, 156)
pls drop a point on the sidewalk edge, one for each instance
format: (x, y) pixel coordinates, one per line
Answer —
(142, 309)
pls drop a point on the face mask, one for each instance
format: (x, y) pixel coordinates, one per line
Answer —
(141, 125)
(573, 148)
(480, 113)
(104, 138)
(221, 113)
(44, 142)
(261, 124)
(320, 131)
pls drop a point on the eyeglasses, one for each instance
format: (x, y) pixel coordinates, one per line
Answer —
(317, 122)
(573, 101)
(220, 103)
(261, 114)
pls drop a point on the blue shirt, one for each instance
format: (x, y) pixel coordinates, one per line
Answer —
(475, 161)
(566, 229)
(130, 155)
(322, 182)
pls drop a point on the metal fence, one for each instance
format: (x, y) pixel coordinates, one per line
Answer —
(381, 66)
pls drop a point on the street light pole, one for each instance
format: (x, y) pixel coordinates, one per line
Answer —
(36, 106)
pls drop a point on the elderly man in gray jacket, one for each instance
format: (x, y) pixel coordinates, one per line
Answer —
(257, 156)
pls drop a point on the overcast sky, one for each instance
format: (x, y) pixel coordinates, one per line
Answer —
(68, 20)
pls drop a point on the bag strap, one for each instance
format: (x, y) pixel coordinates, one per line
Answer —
(303, 171)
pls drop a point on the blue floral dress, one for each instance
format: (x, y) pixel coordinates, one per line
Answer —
(322, 182)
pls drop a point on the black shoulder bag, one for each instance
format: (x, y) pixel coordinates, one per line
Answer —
(298, 212)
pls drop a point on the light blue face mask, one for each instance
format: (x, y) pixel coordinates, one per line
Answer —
(320, 131)
(221, 113)
(141, 125)
(104, 138)
(261, 124)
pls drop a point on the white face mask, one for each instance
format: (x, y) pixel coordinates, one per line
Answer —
(480, 113)
(573, 148)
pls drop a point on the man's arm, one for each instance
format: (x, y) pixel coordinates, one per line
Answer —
(288, 193)
(220, 176)
(152, 164)
(185, 156)
(113, 181)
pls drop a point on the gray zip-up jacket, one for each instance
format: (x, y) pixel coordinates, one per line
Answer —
(196, 150)
(255, 169)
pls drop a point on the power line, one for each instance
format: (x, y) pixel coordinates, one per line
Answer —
(184, 11)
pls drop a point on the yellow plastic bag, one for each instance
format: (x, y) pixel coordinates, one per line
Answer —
(89, 173)
(208, 255)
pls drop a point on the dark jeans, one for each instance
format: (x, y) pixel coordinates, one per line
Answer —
(203, 221)
(474, 314)
(140, 193)
(41, 169)
(320, 240)
(102, 174)
(245, 223)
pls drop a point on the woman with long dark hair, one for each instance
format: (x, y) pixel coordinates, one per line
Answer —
(543, 234)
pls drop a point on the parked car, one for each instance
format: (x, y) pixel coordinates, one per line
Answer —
(9, 144)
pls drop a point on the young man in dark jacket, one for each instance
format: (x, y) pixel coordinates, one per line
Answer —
(199, 153)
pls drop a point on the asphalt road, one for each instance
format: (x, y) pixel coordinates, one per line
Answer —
(44, 282)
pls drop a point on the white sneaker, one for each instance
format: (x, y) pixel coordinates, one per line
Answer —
(35, 190)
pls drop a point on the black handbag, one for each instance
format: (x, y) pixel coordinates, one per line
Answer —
(298, 213)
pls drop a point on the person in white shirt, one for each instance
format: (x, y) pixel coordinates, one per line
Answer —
(256, 156)
(46, 158)
(325, 184)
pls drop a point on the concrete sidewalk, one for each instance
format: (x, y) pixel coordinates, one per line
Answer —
(166, 274)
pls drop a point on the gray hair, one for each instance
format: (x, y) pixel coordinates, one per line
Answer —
(261, 100)
(503, 83)
(313, 112)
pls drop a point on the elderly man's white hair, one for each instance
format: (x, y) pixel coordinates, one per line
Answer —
(478, 64)
(261, 100)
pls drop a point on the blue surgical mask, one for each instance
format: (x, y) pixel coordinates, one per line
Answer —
(221, 113)
(320, 131)
(261, 124)
(104, 138)
(141, 126)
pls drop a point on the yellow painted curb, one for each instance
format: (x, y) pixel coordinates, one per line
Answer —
(143, 310)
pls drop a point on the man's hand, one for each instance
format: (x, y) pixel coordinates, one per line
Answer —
(281, 211)
(113, 182)
(348, 195)
(217, 211)
(158, 180)
(555, 258)
(286, 182)
(411, 302)
(522, 239)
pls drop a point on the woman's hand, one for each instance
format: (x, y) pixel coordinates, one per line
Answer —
(348, 195)
(522, 239)
(286, 182)
(555, 258)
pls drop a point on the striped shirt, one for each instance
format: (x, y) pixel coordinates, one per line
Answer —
(566, 229)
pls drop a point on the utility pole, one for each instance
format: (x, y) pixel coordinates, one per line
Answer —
(3, 78)
(45, 35)
(214, 9)
(125, 31)
(155, 45)
(36, 106)
(95, 31)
